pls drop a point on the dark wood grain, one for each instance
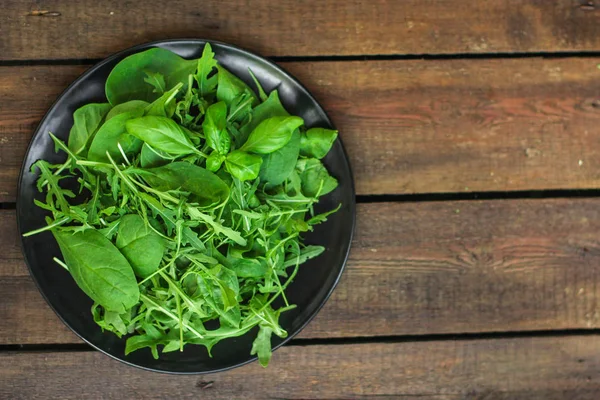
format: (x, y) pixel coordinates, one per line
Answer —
(419, 268)
(409, 126)
(523, 368)
(93, 29)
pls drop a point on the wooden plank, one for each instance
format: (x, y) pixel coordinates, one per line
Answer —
(421, 268)
(548, 368)
(409, 126)
(91, 29)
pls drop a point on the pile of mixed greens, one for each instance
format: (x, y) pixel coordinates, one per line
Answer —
(193, 196)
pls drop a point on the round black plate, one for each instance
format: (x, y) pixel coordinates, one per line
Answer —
(315, 280)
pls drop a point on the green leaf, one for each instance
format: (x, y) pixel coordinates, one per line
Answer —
(99, 269)
(315, 178)
(317, 142)
(110, 135)
(230, 86)
(262, 345)
(261, 91)
(150, 157)
(165, 105)
(248, 268)
(205, 187)
(305, 254)
(87, 119)
(242, 165)
(214, 127)
(135, 107)
(278, 165)
(127, 79)
(271, 107)
(156, 80)
(142, 247)
(162, 134)
(214, 161)
(206, 64)
(272, 134)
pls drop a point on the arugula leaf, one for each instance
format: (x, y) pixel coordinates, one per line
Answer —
(230, 86)
(206, 64)
(157, 80)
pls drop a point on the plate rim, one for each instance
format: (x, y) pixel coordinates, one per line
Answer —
(198, 42)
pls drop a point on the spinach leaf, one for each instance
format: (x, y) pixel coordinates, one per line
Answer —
(162, 134)
(87, 119)
(99, 269)
(150, 157)
(142, 247)
(135, 107)
(127, 79)
(112, 134)
(271, 134)
(214, 127)
(205, 187)
(242, 165)
(317, 142)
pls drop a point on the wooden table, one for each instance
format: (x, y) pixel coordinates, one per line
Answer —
(473, 129)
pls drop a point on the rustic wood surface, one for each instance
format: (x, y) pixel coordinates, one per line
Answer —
(409, 126)
(86, 28)
(519, 368)
(416, 268)
(444, 296)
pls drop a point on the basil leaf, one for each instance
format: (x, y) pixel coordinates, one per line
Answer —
(242, 165)
(99, 269)
(272, 134)
(162, 134)
(315, 178)
(134, 106)
(86, 121)
(110, 135)
(317, 142)
(271, 107)
(215, 132)
(214, 161)
(278, 165)
(230, 86)
(142, 247)
(127, 79)
(205, 187)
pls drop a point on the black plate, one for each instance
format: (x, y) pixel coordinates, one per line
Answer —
(315, 280)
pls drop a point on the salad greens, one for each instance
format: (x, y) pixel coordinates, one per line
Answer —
(193, 195)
